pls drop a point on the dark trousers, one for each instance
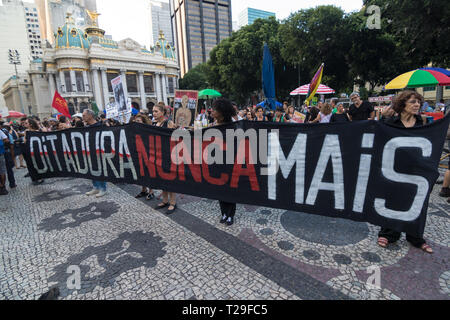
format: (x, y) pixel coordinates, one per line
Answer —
(227, 209)
(393, 236)
(9, 163)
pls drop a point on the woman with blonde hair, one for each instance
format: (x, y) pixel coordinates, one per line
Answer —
(159, 120)
(324, 115)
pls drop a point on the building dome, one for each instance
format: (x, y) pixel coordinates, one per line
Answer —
(69, 36)
(164, 47)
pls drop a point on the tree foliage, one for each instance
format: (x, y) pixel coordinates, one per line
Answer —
(420, 28)
(236, 63)
(314, 36)
(196, 78)
(413, 33)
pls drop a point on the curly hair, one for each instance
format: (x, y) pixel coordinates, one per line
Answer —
(225, 108)
(399, 102)
(33, 124)
(326, 109)
(143, 117)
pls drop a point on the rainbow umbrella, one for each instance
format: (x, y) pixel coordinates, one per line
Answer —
(428, 77)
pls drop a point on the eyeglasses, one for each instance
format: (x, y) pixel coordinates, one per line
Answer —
(413, 101)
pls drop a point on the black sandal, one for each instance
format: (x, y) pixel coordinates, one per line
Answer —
(142, 194)
(173, 210)
(163, 205)
(150, 196)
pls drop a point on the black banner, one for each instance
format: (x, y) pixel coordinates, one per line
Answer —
(363, 171)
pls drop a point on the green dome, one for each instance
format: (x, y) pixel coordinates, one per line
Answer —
(69, 36)
(164, 47)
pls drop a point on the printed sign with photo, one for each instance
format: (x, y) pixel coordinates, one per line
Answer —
(185, 107)
(122, 101)
(298, 117)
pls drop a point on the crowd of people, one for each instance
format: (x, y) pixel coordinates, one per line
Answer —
(404, 112)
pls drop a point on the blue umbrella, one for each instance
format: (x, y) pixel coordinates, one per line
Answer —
(265, 104)
(268, 78)
(441, 70)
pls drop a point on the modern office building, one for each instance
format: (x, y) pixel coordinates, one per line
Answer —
(52, 14)
(249, 15)
(19, 30)
(160, 21)
(199, 25)
(33, 30)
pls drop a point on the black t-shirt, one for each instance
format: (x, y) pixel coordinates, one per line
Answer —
(97, 124)
(312, 114)
(336, 117)
(361, 113)
(396, 121)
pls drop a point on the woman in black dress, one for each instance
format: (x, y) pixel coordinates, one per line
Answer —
(407, 106)
(223, 112)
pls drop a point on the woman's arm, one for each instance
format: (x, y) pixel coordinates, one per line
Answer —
(317, 119)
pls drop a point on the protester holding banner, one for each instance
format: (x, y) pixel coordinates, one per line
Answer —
(407, 106)
(340, 115)
(32, 125)
(99, 189)
(223, 112)
(250, 116)
(279, 116)
(360, 110)
(312, 113)
(260, 116)
(290, 113)
(159, 120)
(145, 192)
(324, 114)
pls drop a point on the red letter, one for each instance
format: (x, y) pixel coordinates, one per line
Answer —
(149, 161)
(195, 168)
(239, 171)
(173, 167)
(223, 177)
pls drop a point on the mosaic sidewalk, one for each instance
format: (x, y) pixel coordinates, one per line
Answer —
(124, 249)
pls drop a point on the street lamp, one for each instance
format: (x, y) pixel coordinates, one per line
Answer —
(14, 58)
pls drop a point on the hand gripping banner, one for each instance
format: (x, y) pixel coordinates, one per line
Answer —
(363, 171)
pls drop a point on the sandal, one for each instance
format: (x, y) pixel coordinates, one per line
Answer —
(426, 248)
(150, 196)
(173, 210)
(383, 242)
(142, 194)
(162, 205)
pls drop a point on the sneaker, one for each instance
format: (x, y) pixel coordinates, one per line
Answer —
(141, 195)
(224, 219)
(150, 196)
(3, 191)
(230, 221)
(92, 192)
(445, 192)
(100, 194)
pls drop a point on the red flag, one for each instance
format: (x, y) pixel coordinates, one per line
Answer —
(60, 104)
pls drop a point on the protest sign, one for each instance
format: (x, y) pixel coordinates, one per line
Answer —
(122, 101)
(185, 107)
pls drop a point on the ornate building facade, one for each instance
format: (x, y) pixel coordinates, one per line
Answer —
(81, 64)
